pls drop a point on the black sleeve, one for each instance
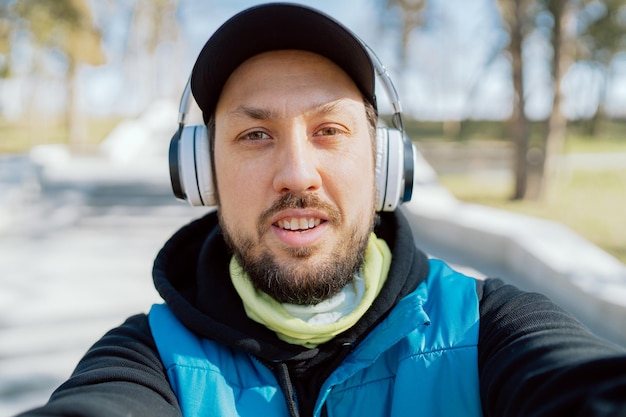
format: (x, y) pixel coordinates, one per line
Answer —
(121, 375)
(537, 360)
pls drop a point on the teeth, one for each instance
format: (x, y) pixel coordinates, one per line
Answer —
(298, 223)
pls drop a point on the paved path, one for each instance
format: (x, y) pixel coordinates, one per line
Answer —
(75, 260)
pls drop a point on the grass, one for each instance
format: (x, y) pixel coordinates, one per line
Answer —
(582, 144)
(591, 203)
(20, 136)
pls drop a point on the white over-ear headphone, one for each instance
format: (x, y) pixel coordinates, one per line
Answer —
(191, 172)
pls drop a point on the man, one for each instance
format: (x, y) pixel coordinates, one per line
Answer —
(297, 298)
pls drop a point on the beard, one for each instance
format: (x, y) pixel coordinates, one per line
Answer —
(301, 279)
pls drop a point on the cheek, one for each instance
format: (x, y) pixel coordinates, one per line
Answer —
(239, 204)
(238, 188)
(353, 180)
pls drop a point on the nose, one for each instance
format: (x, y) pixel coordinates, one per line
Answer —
(297, 165)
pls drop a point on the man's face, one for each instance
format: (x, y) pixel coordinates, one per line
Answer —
(294, 170)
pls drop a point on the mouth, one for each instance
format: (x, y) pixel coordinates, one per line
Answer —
(298, 224)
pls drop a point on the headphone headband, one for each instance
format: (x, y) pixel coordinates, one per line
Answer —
(191, 170)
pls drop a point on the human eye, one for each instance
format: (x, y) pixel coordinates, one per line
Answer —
(329, 131)
(254, 136)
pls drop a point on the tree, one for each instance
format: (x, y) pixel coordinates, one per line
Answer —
(562, 42)
(65, 26)
(535, 174)
(602, 36)
(517, 16)
(410, 19)
(5, 38)
(153, 24)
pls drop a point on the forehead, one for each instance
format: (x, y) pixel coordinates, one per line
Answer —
(272, 76)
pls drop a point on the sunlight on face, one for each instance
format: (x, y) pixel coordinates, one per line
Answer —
(294, 169)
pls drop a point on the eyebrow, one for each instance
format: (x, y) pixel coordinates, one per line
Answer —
(258, 113)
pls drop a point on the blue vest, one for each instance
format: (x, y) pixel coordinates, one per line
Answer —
(420, 361)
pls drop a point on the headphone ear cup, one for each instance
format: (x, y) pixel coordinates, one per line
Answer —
(204, 170)
(390, 170)
(174, 162)
(410, 158)
(194, 173)
(382, 142)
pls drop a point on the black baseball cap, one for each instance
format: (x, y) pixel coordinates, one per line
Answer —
(277, 26)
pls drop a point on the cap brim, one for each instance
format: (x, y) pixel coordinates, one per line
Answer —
(277, 26)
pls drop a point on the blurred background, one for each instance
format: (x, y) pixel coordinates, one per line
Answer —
(518, 105)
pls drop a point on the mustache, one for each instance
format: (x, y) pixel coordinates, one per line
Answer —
(300, 201)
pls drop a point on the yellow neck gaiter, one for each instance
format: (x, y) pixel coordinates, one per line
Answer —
(310, 326)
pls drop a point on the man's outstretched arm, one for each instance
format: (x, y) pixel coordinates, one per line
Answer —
(537, 360)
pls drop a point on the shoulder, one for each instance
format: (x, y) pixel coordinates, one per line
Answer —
(445, 283)
(129, 343)
(134, 330)
(503, 305)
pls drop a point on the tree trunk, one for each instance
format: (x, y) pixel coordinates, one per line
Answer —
(75, 123)
(519, 122)
(593, 126)
(557, 123)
